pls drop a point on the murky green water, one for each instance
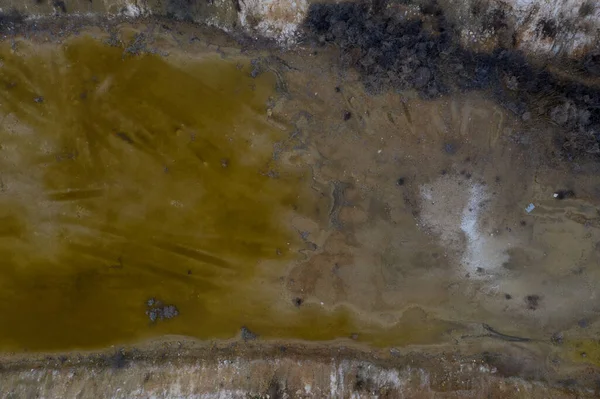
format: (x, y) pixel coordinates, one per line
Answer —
(126, 178)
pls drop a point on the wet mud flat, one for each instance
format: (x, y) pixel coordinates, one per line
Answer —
(357, 193)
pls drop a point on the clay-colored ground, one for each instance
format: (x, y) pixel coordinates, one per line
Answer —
(266, 192)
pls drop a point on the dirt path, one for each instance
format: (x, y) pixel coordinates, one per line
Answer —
(183, 369)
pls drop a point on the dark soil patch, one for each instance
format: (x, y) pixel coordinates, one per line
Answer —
(532, 301)
(298, 301)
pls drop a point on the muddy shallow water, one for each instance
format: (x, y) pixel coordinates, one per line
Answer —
(203, 191)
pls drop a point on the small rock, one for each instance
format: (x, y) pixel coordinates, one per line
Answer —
(248, 335)
(39, 99)
(347, 115)
(400, 181)
(395, 352)
(450, 148)
(583, 323)
(298, 301)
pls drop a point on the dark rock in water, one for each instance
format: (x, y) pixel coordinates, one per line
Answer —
(158, 311)
(422, 77)
(152, 314)
(248, 335)
(169, 312)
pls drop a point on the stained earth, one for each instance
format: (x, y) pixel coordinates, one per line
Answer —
(206, 192)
